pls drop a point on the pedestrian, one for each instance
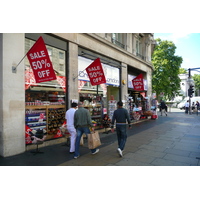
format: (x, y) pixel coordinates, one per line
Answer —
(82, 123)
(69, 116)
(197, 105)
(121, 117)
(193, 107)
(187, 107)
(163, 107)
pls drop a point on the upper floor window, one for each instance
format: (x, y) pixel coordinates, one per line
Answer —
(119, 39)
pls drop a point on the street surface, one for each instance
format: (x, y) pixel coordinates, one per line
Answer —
(172, 140)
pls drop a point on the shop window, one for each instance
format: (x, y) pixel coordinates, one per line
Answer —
(45, 102)
(61, 55)
(49, 51)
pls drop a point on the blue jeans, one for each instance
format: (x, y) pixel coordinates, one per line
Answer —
(121, 135)
(80, 132)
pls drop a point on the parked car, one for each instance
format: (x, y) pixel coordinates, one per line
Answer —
(181, 105)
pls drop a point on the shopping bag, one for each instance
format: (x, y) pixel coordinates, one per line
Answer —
(93, 140)
(154, 116)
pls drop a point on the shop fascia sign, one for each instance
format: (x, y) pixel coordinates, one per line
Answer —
(130, 85)
(111, 73)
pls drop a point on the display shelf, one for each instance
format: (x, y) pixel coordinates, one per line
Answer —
(53, 118)
(95, 112)
(44, 106)
(112, 106)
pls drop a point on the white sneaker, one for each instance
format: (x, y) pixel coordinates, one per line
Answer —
(75, 157)
(120, 152)
(97, 150)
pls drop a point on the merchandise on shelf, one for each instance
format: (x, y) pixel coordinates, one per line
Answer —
(95, 112)
(36, 119)
(112, 106)
(49, 117)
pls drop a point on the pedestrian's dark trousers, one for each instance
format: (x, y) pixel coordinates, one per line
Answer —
(121, 135)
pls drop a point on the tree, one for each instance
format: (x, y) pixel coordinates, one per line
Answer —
(196, 79)
(182, 71)
(166, 69)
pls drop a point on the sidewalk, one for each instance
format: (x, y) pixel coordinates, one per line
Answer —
(168, 141)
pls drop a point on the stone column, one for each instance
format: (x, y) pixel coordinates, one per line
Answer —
(73, 72)
(12, 93)
(124, 81)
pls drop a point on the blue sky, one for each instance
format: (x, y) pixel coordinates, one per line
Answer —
(187, 46)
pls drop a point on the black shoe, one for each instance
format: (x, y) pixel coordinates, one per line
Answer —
(71, 152)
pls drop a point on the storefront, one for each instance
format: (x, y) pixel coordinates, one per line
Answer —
(138, 100)
(98, 99)
(45, 103)
(42, 106)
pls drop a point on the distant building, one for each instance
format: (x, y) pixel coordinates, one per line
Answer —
(184, 85)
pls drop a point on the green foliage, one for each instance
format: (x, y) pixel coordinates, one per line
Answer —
(196, 79)
(183, 71)
(166, 69)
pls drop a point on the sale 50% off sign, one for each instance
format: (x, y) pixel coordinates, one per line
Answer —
(40, 62)
(95, 73)
(138, 83)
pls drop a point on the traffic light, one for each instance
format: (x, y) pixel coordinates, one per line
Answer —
(191, 91)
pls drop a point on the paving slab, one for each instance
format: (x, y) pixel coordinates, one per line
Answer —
(183, 159)
(164, 162)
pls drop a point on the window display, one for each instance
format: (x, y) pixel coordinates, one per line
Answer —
(94, 104)
(45, 101)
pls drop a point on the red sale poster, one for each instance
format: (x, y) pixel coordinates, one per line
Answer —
(138, 83)
(40, 62)
(95, 73)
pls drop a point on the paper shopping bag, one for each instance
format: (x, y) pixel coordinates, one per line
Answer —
(93, 140)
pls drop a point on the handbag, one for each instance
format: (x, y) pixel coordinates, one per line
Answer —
(93, 140)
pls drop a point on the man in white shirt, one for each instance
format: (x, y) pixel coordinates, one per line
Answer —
(187, 107)
(69, 116)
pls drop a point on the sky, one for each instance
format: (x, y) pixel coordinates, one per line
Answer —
(187, 46)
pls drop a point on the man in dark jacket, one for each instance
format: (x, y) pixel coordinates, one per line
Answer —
(120, 116)
(82, 123)
(163, 107)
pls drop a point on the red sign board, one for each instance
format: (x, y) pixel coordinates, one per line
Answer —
(40, 62)
(138, 83)
(95, 73)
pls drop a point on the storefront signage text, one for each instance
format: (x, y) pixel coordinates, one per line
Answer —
(40, 62)
(111, 73)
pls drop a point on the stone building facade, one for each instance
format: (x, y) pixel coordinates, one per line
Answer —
(123, 56)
